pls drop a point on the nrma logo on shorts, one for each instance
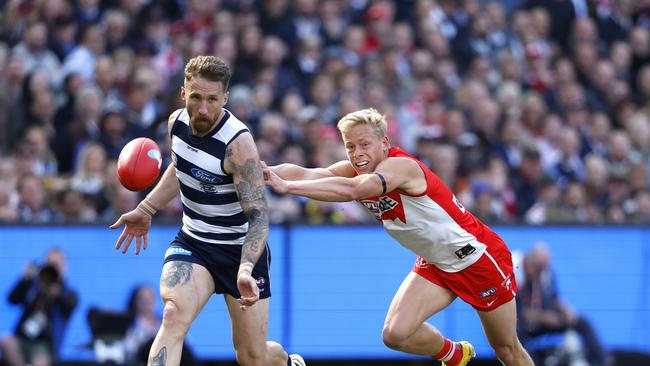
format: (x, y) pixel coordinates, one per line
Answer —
(379, 207)
(177, 251)
(204, 176)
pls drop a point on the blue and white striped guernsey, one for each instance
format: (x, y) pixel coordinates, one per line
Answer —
(211, 210)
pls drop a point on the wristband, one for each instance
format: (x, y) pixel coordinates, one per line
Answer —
(147, 207)
(245, 267)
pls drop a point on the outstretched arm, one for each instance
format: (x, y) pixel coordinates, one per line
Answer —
(392, 173)
(295, 172)
(138, 221)
(243, 163)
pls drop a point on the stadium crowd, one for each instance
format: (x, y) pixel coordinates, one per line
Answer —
(532, 111)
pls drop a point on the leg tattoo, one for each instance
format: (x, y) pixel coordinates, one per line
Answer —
(161, 358)
(178, 272)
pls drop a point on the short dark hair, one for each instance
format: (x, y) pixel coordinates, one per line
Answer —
(208, 67)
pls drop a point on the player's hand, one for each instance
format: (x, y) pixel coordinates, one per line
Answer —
(136, 225)
(248, 290)
(273, 180)
(265, 169)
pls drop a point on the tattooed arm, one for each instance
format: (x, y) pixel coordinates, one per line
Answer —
(243, 163)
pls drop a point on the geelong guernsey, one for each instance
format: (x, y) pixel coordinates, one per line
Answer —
(211, 209)
(432, 224)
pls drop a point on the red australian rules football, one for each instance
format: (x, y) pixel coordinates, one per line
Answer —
(138, 165)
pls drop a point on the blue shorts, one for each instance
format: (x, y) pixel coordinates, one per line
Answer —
(222, 262)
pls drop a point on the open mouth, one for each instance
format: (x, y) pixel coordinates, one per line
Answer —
(361, 164)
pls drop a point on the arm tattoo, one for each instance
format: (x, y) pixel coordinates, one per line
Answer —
(250, 189)
(161, 358)
(178, 272)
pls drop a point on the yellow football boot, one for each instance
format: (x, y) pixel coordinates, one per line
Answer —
(468, 353)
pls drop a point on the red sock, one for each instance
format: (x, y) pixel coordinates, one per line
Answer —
(451, 353)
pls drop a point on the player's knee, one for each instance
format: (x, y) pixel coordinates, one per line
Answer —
(505, 353)
(274, 351)
(394, 337)
(251, 357)
(173, 318)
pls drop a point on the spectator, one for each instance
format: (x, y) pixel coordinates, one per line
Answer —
(619, 157)
(66, 110)
(426, 65)
(596, 178)
(641, 211)
(82, 129)
(34, 54)
(530, 173)
(143, 326)
(72, 207)
(8, 193)
(32, 204)
(547, 206)
(11, 85)
(62, 36)
(83, 57)
(117, 29)
(509, 146)
(143, 109)
(106, 80)
(543, 311)
(570, 166)
(38, 102)
(145, 322)
(43, 160)
(88, 176)
(47, 303)
(272, 130)
(615, 23)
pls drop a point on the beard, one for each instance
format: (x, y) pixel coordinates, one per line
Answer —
(203, 124)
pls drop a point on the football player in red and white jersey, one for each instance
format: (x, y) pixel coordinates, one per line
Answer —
(458, 255)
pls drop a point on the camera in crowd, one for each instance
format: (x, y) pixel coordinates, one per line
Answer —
(48, 275)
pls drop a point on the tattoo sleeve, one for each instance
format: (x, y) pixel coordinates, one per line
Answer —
(249, 184)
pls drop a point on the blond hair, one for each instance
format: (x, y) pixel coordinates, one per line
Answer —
(370, 117)
(208, 67)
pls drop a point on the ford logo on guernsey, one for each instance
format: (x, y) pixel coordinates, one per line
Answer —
(204, 176)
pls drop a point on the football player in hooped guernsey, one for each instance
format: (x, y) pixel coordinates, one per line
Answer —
(458, 256)
(221, 246)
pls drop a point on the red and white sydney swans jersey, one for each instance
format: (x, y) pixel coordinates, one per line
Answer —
(433, 224)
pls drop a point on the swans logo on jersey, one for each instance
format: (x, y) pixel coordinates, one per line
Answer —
(379, 207)
(507, 283)
(204, 176)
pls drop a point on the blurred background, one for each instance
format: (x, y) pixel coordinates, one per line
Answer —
(536, 113)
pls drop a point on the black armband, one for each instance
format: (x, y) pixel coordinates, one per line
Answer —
(383, 184)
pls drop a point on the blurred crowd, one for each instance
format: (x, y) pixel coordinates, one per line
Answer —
(47, 301)
(532, 111)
